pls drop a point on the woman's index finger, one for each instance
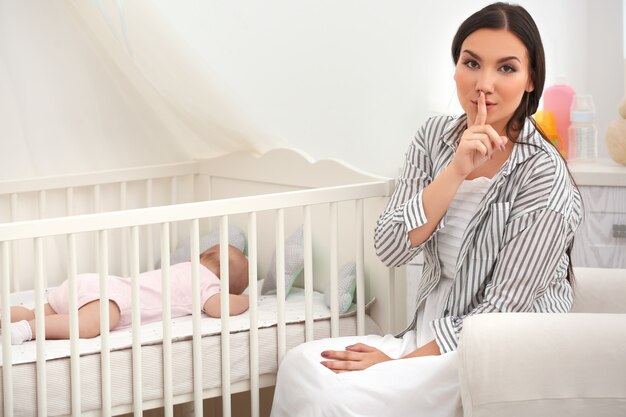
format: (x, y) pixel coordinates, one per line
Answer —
(481, 111)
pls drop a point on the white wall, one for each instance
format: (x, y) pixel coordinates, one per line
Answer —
(355, 79)
(605, 65)
(337, 78)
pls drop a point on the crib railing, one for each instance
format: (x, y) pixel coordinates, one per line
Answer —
(165, 216)
(28, 199)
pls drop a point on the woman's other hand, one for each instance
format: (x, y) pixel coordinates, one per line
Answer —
(478, 142)
(355, 358)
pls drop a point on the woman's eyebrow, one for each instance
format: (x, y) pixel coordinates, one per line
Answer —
(506, 58)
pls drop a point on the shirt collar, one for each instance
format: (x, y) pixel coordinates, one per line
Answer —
(453, 131)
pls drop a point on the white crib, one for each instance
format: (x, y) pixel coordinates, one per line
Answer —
(127, 221)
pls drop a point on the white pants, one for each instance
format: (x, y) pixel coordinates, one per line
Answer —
(426, 386)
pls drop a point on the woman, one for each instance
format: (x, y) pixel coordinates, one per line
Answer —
(489, 202)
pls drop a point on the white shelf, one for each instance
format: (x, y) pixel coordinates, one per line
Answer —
(598, 172)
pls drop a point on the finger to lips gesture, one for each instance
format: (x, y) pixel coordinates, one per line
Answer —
(481, 111)
(479, 141)
(355, 358)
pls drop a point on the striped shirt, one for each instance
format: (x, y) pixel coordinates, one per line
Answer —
(513, 252)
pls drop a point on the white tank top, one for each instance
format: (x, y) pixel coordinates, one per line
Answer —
(458, 216)
(449, 239)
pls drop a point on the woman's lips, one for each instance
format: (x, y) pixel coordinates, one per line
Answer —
(488, 104)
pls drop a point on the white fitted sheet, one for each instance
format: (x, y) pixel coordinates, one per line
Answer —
(58, 363)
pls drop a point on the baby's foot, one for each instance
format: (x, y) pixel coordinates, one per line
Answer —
(20, 332)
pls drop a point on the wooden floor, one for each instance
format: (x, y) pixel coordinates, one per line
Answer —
(240, 406)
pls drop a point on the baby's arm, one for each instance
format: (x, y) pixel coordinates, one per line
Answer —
(237, 303)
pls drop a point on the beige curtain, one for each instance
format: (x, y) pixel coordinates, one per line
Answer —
(89, 85)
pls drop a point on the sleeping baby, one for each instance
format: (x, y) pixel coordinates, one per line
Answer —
(57, 324)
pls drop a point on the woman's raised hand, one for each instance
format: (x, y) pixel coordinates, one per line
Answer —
(478, 142)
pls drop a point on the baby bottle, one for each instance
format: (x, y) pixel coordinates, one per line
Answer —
(558, 99)
(583, 135)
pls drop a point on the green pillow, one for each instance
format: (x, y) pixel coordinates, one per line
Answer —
(294, 264)
(346, 282)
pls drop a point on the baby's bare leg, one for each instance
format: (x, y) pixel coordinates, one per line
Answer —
(21, 319)
(58, 325)
(89, 318)
(19, 313)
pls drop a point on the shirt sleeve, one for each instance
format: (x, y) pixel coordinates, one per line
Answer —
(405, 210)
(209, 285)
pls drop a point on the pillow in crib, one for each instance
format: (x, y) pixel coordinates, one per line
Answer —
(346, 283)
(236, 238)
(294, 263)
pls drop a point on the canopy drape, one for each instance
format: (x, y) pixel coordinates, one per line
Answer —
(101, 84)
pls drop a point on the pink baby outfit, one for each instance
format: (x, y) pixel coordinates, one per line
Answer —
(149, 293)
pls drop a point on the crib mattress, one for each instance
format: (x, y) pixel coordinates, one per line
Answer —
(58, 352)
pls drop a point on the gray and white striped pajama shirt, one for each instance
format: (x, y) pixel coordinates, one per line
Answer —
(513, 253)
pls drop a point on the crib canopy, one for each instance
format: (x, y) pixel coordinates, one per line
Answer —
(92, 85)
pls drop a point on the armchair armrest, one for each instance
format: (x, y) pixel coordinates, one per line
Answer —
(532, 364)
(599, 290)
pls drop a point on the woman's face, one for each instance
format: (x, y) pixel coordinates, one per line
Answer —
(494, 61)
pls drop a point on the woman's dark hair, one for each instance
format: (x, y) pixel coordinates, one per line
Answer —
(518, 21)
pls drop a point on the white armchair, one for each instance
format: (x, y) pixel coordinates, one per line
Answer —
(525, 364)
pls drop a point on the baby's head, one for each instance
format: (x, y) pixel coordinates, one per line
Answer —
(237, 266)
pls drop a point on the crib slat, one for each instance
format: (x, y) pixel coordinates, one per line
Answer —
(42, 214)
(42, 204)
(14, 206)
(105, 351)
(208, 192)
(225, 309)
(7, 349)
(149, 238)
(334, 297)
(15, 266)
(124, 232)
(391, 322)
(308, 274)
(197, 309)
(123, 194)
(69, 201)
(173, 200)
(96, 209)
(192, 184)
(14, 246)
(42, 396)
(254, 316)
(360, 270)
(74, 334)
(136, 322)
(96, 198)
(168, 391)
(280, 284)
